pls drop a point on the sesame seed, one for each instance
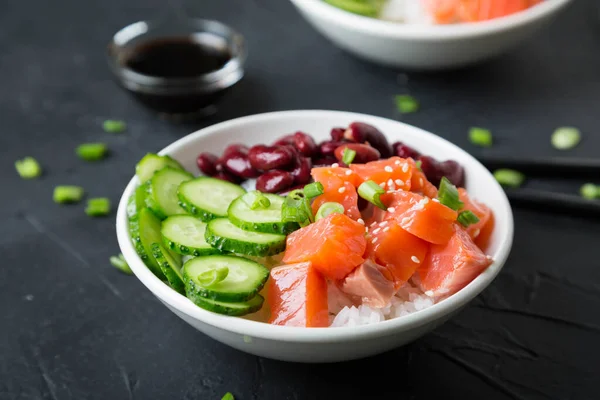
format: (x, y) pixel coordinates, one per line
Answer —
(397, 162)
(374, 241)
(425, 200)
(372, 224)
(376, 231)
(360, 221)
(489, 258)
(390, 182)
(388, 169)
(384, 223)
(342, 189)
(415, 259)
(391, 209)
(399, 182)
(421, 182)
(335, 165)
(349, 172)
(387, 228)
(405, 168)
(429, 293)
(443, 290)
(405, 221)
(436, 200)
(382, 184)
(476, 233)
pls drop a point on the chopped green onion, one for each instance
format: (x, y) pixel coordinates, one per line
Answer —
(91, 151)
(98, 207)
(565, 138)
(313, 190)
(213, 276)
(28, 168)
(228, 396)
(255, 199)
(114, 126)
(467, 218)
(348, 155)
(448, 195)
(406, 104)
(480, 137)
(419, 162)
(590, 191)
(296, 208)
(329, 208)
(120, 263)
(509, 177)
(371, 191)
(68, 194)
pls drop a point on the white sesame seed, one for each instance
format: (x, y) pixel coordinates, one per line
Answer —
(387, 228)
(399, 182)
(476, 233)
(349, 172)
(335, 165)
(421, 182)
(405, 221)
(384, 223)
(374, 241)
(376, 231)
(405, 168)
(390, 182)
(425, 200)
(489, 258)
(443, 290)
(419, 206)
(429, 293)
(388, 169)
(382, 184)
(342, 189)
(436, 200)
(391, 209)
(390, 191)
(360, 221)
(415, 259)
(397, 162)
(373, 224)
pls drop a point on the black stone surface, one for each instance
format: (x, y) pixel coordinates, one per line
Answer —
(72, 327)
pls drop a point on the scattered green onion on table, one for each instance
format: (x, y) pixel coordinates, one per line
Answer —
(28, 168)
(480, 137)
(565, 138)
(92, 151)
(406, 104)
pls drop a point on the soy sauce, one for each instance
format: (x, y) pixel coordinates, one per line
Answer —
(177, 57)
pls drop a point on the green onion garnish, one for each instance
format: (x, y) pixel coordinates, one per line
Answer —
(255, 200)
(467, 218)
(448, 195)
(120, 263)
(480, 137)
(406, 104)
(509, 177)
(228, 396)
(565, 138)
(418, 163)
(28, 168)
(91, 151)
(98, 207)
(329, 208)
(296, 208)
(590, 191)
(348, 155)
(213, 276)
(114, 126)
(68, 194)
(371, 191)
(313, 190)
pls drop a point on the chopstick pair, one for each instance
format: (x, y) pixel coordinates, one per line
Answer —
(556, 167)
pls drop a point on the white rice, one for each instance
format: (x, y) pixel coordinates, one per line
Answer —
(409, 299)
(249, 184)
(406, 11)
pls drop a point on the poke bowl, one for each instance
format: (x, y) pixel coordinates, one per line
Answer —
(354, 256)
(424, 45)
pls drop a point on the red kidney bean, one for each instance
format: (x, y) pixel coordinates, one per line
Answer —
(327, 148)
(361, 133)
(337, 134)
(225, 176)
(234, 148)
(362, 203)
(237, 163)
(305, 144)
(364, 153)
(274, 181)
(270, 157)
(301, 171)
(287, 139)
(324, 161)
(207, 163)
(404, 151)
(435, 171)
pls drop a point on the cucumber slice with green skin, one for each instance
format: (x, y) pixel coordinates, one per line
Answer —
(245, 278)
(267, 220)
(223, 235)
(131, 207)
(170, 265)
(140, 195)
(185, 235)
(226, 308)
(144, 231)
(161, 192)
(151, 163)
(208, 198)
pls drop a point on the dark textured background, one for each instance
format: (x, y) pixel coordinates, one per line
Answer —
(72, 327)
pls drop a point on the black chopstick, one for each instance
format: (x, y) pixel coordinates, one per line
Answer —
(546, 166)
(552, 201)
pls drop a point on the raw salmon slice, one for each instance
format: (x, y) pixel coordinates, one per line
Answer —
(298, 296)
(450, 267)
(369, 283)
(420, 184)
(453, 11)
(391, 174)
(482, 212)
(339, 186)
(335, 245)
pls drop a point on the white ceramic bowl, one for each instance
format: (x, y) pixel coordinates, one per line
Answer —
(425, 47)
(322, 344)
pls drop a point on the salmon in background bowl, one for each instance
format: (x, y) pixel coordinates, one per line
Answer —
(425, 46)
(318, 344)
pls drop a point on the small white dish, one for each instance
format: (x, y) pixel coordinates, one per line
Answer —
(423, 46)
(322, 344)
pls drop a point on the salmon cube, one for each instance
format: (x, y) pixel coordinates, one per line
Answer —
(369, 283)
(391, 174)
(338, 187)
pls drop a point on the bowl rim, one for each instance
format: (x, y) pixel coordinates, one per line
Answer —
(300, 334)
(373, 26)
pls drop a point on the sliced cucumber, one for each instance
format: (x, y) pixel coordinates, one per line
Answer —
(208, 198)
(185, 235)
(140, 195)
(151, 163)
(170, 265)
(161, 195)
(223, 235)
(226, 308)
(144, 231)
(131, 207)
(267, 220)
(244, 279)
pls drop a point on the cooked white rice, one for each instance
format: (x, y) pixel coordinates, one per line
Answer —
(406, 11)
